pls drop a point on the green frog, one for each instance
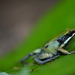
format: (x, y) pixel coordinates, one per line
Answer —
(52, 49)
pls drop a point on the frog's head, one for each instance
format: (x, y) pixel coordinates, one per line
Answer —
(42, 57)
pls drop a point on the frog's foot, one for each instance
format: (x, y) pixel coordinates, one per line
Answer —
(72, 52)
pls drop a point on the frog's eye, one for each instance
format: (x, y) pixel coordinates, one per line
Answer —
(46, 46)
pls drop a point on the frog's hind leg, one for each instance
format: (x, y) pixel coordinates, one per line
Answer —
(45, 60)
(63, 51)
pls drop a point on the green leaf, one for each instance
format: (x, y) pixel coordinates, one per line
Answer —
(49, 26)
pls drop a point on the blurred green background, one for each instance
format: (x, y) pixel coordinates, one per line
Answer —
(51, 24)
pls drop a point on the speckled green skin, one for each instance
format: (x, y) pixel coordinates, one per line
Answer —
(48, 51)
(52, 49)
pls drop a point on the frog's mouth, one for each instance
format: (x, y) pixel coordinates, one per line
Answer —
(44, 59)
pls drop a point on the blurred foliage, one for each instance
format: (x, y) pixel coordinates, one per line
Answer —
(23, 71)
(51, 24)
(3, 73)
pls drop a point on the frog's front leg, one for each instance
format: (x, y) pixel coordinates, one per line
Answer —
(65, 51)
(25, 58)
(30, 54)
